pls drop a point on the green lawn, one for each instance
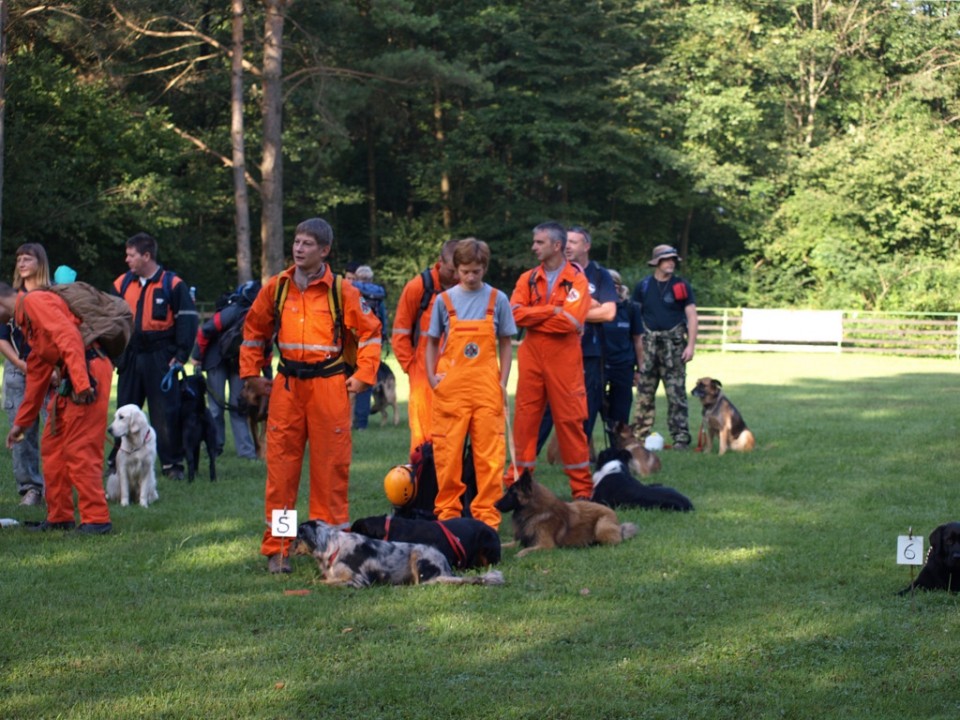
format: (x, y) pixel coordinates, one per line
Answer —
(775, 598)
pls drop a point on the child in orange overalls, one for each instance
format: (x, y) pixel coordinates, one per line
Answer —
(469, 380)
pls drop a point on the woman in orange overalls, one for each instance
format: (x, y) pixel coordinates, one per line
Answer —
(469, 381)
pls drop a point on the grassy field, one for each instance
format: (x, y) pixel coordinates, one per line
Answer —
(775, 598)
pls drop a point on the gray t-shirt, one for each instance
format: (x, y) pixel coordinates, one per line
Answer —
(472, 305)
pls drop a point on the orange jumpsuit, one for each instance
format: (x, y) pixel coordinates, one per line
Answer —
(551, 370)
(308, 409)
(412, 355)
(73, 437)
(469, 399)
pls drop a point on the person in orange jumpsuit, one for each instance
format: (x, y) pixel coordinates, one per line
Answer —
(551, 302)
(469, 382)
(309, 399)
(72, 443)
(410, 321)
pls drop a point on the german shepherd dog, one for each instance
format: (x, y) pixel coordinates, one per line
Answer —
(542, 521)
(465, 542)
(721, 418)
(942, 569)
(642, 462)
(385, 394)
(353, 560)
(614, 486)
(254, 408)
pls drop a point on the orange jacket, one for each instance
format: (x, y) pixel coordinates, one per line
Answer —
(532, 309)
(306, 326)
(156, 316)
(405, 317)
(54, 336)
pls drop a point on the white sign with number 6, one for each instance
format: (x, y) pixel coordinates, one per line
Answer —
(284, 523)
(909, 550)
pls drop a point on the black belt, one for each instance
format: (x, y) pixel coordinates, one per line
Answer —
(307, 371)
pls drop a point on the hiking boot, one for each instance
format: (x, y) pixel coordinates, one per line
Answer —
(681, 446)
(46, 526)
(174, 472)
(277, 564)
(32, 497)
(95, 528)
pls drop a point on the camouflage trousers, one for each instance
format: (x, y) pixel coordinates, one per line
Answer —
(663, 361)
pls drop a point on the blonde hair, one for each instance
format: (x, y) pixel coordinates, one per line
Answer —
(35, 250)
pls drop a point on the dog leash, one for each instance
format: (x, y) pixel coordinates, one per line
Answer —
(167, 383)
(510, 445)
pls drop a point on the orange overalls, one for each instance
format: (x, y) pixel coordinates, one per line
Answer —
(73, 438)
(469, 399)
(413, 357)
(551, 370)
(306, 407)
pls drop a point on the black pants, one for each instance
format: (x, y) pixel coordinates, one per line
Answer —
(140, 381)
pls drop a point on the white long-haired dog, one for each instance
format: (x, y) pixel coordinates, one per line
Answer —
(135, 458)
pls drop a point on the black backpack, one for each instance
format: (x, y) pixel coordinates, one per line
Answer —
(231, 338)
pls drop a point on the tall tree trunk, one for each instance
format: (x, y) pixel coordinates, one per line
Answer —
(3, 96)
(371, 189)
(271, 223)
(240, 197)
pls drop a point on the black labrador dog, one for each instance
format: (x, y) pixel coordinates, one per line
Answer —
(942, 569)
(614, 486)
(196, 425)
(465, 542)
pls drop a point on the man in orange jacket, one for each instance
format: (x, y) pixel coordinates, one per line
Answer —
(309, 400)
(410, 322)
(551, 302)
(72, 442)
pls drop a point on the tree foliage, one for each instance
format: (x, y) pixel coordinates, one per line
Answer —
(798, 152)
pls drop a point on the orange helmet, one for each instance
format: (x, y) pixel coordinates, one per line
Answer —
(400, 485)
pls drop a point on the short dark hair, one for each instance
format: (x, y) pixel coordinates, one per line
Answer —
(555, 231)
(580, 230)
(446, 250)
(319, 229)
(471, 250)
(144, 244)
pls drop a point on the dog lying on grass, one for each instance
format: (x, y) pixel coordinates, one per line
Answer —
(614, 486)
(942, 569)
(542, 521)
(357, 561)
(464, 542)
(643, 462)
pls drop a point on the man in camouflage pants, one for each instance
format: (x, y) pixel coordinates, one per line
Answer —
(670, 319)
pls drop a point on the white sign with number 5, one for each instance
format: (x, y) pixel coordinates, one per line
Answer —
(284, 523)
(909, 550)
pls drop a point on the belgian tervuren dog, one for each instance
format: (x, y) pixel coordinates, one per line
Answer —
(542, 521)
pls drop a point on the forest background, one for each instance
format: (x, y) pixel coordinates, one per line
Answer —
(797, 152)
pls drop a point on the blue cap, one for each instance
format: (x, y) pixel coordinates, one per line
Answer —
(64, 274)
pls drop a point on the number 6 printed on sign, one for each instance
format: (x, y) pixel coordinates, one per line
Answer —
(909, 550)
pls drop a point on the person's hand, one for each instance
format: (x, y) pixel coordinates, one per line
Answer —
(259, 385)
(687, 355)
(356, 386)
(434, 380)
(86, 396)
(14, 436)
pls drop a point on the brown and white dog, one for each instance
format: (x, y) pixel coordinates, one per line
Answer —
(642, 462)
(721, 418)
(385, 394)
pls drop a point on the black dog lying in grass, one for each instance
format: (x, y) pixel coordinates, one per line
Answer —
(942, 570)
(614, 486)
(466, 543)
